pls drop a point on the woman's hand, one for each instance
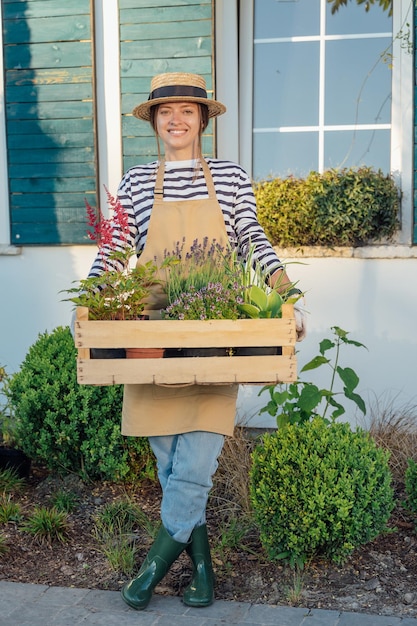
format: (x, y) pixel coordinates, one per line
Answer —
(300, 314)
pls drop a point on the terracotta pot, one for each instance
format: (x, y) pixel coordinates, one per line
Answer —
(144, 353)
(16, 460)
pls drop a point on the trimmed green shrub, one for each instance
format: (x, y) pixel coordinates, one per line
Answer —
(348, 207)
(411, 485)
(319, 491)
(70, 427)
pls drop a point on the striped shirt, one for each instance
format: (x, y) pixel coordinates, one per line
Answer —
(182, 181)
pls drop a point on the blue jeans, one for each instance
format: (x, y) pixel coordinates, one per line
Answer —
(186, 464)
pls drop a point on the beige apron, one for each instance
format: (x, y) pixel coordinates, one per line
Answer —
(151, 409)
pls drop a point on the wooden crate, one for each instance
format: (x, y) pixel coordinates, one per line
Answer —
(255, 370)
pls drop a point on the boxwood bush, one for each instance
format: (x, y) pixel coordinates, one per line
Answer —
(348, 207)
(70, 427)
(319, 491)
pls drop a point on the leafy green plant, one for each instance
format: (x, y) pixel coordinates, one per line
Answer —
(71, 427)
(10, 482)
(259, 300)
(64, 500)
(124, 513)
(121, 291)
(231, 535)
(411, 485)
(47, 525)
(300, 401)
(119, 549)
(6, 417)
(348, 207)
(319, 490)
(4, 548)
(114, 527)
(9, 511)
(194, 268)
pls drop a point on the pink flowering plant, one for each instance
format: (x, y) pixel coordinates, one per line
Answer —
(120, 291)
(211, 302)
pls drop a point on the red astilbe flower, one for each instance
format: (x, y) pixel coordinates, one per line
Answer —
(104, 229)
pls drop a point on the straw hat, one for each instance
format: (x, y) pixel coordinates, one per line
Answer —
(178, 87)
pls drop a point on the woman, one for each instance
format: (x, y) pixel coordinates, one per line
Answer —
(185, 198)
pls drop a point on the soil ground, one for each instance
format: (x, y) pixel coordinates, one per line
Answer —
(380, 577)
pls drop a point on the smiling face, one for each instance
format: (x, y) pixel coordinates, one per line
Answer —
(179, 125)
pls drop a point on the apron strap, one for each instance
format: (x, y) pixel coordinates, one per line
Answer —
(159, 183)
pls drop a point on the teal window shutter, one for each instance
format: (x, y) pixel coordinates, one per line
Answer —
(50, 118)
(157, 37)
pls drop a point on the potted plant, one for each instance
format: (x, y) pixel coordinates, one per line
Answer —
(202, 284)
(209, 282)
(121, 291)
(11, 458)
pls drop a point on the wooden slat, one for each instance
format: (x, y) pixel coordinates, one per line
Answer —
(165, 30)
(190, 334)
(133, 4)
(50, 93)
(43, 55)
(50, 127)
(53, 185)
(53, 141)
(49, 76)
(149, 67)
(51, 8)
(49, 110)
(65, 28)
(52, 156)
(71, 213)
(252, 370)
(164, 13)
(175, 48)
(51, 233)
(38, 170)
(53, 200)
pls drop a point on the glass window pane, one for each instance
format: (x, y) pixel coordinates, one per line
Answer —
(352, 149)
(286, 18)
(282, 154)
(353, 19)
(286, 84)
(358, 82)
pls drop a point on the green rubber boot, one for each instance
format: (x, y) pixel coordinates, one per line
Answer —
(200, 591)
(164, 551)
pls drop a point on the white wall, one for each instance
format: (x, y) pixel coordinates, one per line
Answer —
(373, 299)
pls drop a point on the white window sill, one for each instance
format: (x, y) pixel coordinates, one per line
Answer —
(9, 250)
(388, 251)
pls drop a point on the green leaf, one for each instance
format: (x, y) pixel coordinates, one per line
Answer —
(310, 397)
(250, 310)
(325, 345)
(356, 398)
(340, 410)
(258, 297)
(349, 377)
(314, 363)
(274, 303)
